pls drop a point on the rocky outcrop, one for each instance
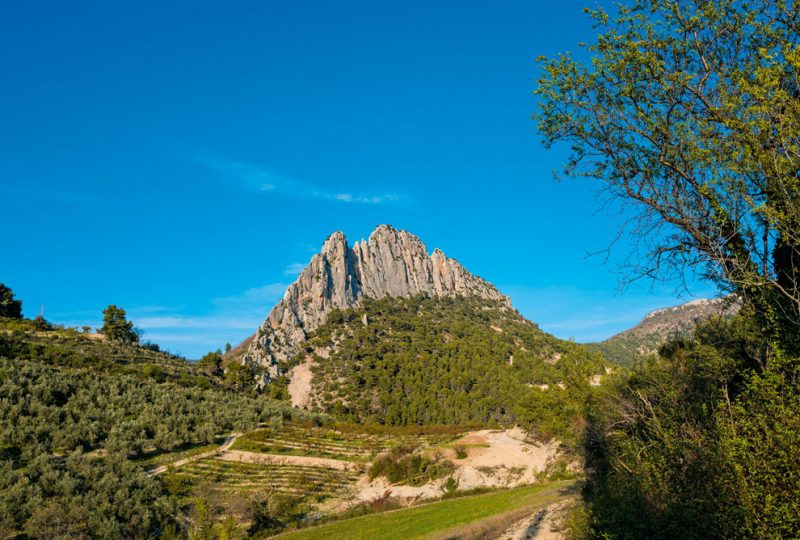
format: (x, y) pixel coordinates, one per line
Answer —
(669, 321)
(390, 263)
(661, 325)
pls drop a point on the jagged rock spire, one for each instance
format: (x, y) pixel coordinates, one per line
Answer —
(390, 262)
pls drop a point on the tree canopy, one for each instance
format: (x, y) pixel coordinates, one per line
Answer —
(117, 327)
(10, 307)
(77, 416)
(689, 111)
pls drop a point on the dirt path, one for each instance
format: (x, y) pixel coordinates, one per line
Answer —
(541, 525)
(229, 440)
(254, 457)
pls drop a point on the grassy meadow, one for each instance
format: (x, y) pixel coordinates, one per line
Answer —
(443, 516)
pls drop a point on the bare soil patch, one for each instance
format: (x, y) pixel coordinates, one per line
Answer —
(300, 383)
(252, 457)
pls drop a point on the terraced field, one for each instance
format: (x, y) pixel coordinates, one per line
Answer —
(290, 479)
(341, 441)
(158, 459)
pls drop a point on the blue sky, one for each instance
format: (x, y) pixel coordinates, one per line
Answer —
(185, 159)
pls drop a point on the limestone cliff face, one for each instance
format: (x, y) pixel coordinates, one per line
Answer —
(390, 263)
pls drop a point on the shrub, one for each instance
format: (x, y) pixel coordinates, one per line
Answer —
(402, 465)
(688, 446)
(450, 485)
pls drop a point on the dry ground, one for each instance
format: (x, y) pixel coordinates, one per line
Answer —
(495, 458)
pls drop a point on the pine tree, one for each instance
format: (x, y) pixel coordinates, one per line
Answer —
(116, 327)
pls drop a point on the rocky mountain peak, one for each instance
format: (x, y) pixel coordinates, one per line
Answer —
(390, 262)
(336, 241)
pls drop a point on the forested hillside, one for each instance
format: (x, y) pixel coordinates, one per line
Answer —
(445, 360)
(71, 437)
(67, 347)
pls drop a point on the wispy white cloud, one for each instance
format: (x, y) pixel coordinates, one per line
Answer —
(249, 176)
(263, 179)
(193, 321)
(255, 298)
(366, 199)
(227, 319)
(177, 341)
(294, 269)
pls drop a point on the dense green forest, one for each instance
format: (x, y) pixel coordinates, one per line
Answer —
(76, 414)
(424, 360)
(621, 352)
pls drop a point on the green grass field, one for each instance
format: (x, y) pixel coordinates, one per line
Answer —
(439, 517)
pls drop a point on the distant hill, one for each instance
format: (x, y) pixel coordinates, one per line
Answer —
(423, 360)
(658, 326)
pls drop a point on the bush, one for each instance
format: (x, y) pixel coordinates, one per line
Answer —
(450, 486)
(402, 465)
(273, 511)
(153, 371)
(699, 443)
